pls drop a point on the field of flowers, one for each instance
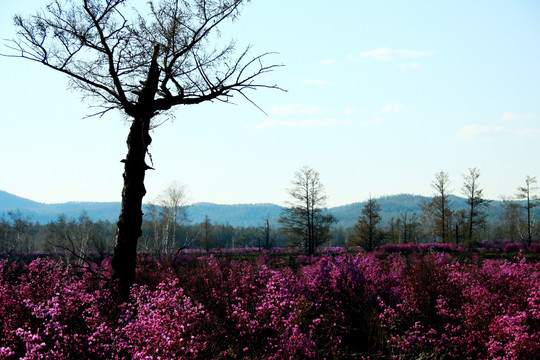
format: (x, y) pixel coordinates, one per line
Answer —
(380, 305)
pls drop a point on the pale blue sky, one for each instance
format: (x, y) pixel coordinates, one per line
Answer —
(381, 96)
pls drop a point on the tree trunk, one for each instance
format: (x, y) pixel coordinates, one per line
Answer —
(131, 216)
(528, 217)
(443, 219)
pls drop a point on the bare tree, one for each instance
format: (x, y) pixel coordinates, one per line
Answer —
(460, 221)
(142, 64)
(164, 216)
(13, 232)
(514, 224)
(85, 229)
(428, 219)
(441, 204)
(305, 218)
(264, 233)
(477, 205)
(173, 209)
(406, 226)
(81, 240)
(150, 240)
(526, 192)
(21, 223)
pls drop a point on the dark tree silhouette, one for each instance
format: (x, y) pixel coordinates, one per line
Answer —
(305, 218)
(477, 205)
(264, 235)
(367, 233)
(526, 193)
(206, 240)
(441, 204)
(143, 64)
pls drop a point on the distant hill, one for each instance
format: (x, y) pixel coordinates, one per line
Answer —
(45, 213)
(391, 206)
(235, 215)
(394, 205)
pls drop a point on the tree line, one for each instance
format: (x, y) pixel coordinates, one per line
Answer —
(82, 239)
(440, 222)
(309, 224)
(305, 223)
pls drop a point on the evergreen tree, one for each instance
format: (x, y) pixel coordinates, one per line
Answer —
(367, 232)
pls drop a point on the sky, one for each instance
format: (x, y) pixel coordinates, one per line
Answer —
(381, 95)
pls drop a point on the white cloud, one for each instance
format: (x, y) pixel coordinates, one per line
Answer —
(477, 132)
(510, 116)
(312, 122)
(395, 107)
(387, 54)
(297, 109)
(470, 131)
(319, 82)
(378, 54)
(473, 132)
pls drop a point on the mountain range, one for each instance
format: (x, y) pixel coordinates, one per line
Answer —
(235, 215)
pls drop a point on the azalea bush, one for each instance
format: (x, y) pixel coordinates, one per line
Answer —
(397, 305)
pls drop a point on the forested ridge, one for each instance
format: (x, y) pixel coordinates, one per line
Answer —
(234, 215)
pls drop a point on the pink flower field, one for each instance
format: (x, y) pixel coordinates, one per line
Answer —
(330, 306)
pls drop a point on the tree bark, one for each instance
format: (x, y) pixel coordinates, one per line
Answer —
(131, 215)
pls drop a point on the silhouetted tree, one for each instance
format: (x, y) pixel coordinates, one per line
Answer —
(206, 234)
(142, 64)
(460, 223)
(441, 204)
(264, 235)
(477, 205)
(406, 226)
(526, 192)
(305, 218)
(366, 229)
